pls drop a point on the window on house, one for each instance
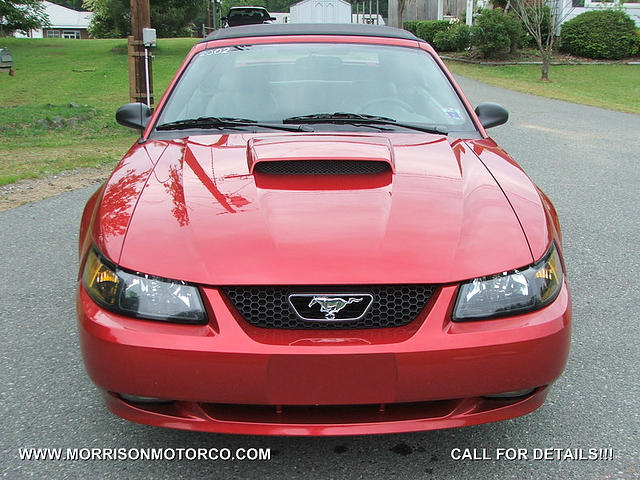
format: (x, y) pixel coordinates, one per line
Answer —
(53, 33)
(71, 34)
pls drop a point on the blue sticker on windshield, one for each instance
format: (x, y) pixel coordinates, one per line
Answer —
(453, 113)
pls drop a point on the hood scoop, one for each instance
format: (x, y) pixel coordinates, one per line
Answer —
(322, 167)
(320, 155)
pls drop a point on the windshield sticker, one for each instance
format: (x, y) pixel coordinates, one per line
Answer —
(223, 50)
(215, 51)
(453, 113)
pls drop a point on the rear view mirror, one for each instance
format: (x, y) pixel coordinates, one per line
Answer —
(134, 115)
(491, 114)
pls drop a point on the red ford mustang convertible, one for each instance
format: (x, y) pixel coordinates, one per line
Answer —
(314, 235)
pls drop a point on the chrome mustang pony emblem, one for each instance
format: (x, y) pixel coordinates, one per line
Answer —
(331, 305)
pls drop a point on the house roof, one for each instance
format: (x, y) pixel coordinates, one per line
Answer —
(63, 17)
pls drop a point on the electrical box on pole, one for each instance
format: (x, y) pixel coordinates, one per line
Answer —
(149, 37)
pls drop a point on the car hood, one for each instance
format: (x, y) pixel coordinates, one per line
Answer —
(434, 214)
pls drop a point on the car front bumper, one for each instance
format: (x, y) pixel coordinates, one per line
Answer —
(228, 376)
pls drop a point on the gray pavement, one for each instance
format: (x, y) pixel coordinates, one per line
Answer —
(586, 159)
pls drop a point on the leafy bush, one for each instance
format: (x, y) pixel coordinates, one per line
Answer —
(496, 32)
(411, 26)
(455, 39)
(514, 31)
(609, 34)
(427, 29)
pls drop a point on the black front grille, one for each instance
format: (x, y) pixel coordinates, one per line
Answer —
(268, 307)
(322, 167)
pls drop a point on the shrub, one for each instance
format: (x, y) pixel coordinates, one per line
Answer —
(514, 31)
(609, 34)
(456, 39)
(496, 32)
(411, 26)
(427, 29)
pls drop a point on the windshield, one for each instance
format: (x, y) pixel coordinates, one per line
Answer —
(272, 83)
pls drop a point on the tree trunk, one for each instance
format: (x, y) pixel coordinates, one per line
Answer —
(401, 6)
(546, 60)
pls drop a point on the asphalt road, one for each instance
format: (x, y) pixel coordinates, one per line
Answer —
(586, 159)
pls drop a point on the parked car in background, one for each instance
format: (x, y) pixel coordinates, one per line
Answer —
(247, 16)
(315, 235)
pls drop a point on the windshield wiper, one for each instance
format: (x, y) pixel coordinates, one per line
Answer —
(361, 119)
(339, 116)
(224, 122)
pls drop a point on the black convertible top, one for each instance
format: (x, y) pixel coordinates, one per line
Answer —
(277, 29)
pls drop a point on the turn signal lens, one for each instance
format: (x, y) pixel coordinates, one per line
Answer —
(100, 281)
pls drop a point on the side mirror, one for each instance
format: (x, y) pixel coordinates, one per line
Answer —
(133, 115)
(491, 114)
(273, 19)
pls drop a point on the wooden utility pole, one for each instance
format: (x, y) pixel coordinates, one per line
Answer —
(140, 18)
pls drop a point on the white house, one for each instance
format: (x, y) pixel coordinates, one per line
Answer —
(633, 9)
(439, 9)
(63, 23)
(320, 11)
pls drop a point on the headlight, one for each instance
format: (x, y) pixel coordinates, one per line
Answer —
(509, 293)
(139, 295)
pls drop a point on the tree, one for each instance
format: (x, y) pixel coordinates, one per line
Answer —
(72, 4)
(22, 15)
(171, 18)
(396, 10)
(542, 20)
(111, 18)
(175, 18)
(402, 5)
(279, 5)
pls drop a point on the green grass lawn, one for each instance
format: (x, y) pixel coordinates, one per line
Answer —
(614, 86)
(52, 73)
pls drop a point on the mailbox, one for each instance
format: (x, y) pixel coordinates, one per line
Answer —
(6, 59)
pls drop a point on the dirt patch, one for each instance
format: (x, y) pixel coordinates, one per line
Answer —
(32, 190)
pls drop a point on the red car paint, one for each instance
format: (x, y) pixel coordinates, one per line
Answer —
(194, 209)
